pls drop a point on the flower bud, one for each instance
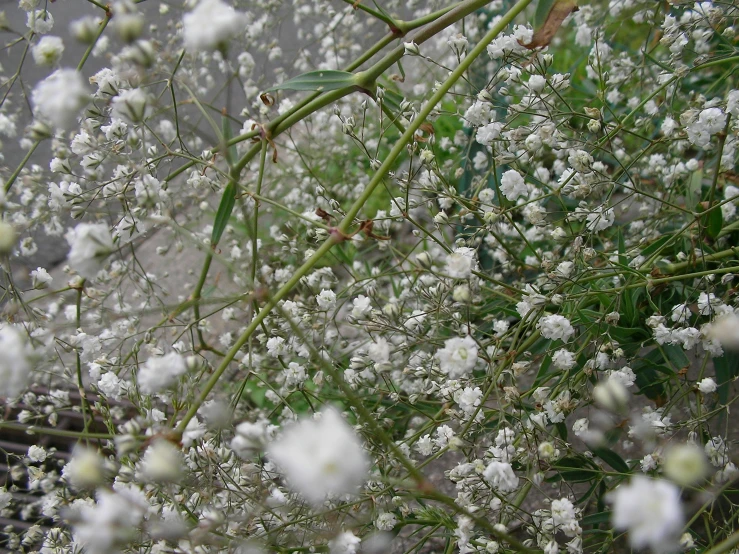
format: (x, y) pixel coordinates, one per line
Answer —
(411, 49)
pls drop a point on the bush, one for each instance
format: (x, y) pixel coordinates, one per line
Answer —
(462, 281)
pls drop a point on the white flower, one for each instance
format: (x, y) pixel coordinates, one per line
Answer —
(133, 105)
(686, 464)
(161, 372)
(537, 83)
(468, 399)
(59, 98)
(294, 374)
(15, 361)
(600, 219)
(86, 469)
(563, 359)
(90, 245)
(211, 25)
(725, 329)
(512, 185)
(460, 263)
(162, 462)
(111, 521)
(458, 357)
(386, 521)
(500, 476)
(40, 278)
(650, 511)
(362, 307)
(320, 457)
(707, 385)
(555, 327)
(48, 50)
(625, 376)
(326, 300)
(249, 438)
(36, 453)
(344, 543)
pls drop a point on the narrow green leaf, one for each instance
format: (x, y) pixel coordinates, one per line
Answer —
(727, 368)
(656, 245)
(715, 222)
(612, 459)
(543, 7)
(230, 152)
(695, 183)
(595, 519)
(224, 213)
(323, 80)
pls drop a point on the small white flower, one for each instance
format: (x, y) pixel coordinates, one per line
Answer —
(320, 457)
(650, 510)
(161, 372)
(460, 263)
(36, 453)
(326, 300)
(162, 462)
(211, 25)
(686, 464)
(512, 185)
(90, 245)
(386, 521)
(500, 476)
(458, 357)
(15, 361)
(707, 385)
(48, 50)
(59, 98)
(344, 543)
(133, 106)
(556, 327)
(362, 307)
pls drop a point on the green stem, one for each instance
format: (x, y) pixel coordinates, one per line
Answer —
(18, 169)
(90, 48)
(343, 227)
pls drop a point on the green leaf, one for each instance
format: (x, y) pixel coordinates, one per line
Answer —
(574, 470)
(714, 222)
(695, 184)
(656, 245)
(727, 368)
(229, 152)
(612, 459)
(224, 212)
(543, 7)
(676, 356)
(323, 80)
(595, 519)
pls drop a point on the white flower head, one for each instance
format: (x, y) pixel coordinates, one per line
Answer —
(321, 457)
(500, 476)
(48, 50)
(133, 106)
(15, 361)
(460, 263)
(211, 25)
(512, 185)
(650, 511)
(90, 245)
(59, 98)
(162, 462)
(161, 372)
(556, 327)
(458, 357)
